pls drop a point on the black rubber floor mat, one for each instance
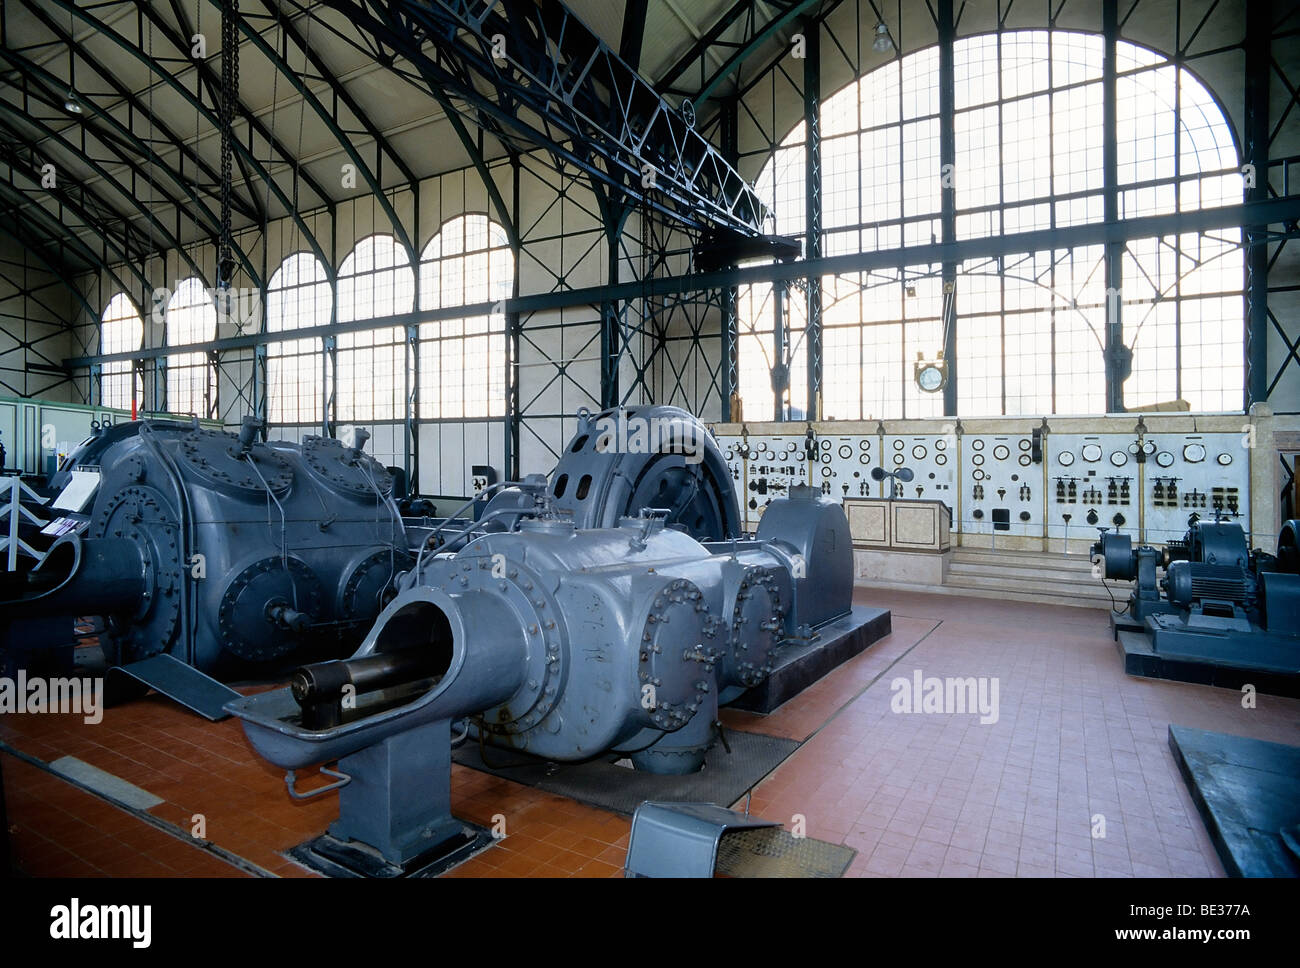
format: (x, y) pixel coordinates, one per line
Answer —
(599, 783)
(774, 852)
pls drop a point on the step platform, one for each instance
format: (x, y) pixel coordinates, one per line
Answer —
(1248, 795)
(802, 665)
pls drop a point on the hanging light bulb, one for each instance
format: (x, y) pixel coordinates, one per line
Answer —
(71, 104)
(882, 42)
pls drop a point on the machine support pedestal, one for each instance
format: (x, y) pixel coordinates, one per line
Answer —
(399, 800)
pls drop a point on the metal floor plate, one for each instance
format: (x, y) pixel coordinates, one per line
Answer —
(774, 852)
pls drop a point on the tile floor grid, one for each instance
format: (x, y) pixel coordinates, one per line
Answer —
(916, 795)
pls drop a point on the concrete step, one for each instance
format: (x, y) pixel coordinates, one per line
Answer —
(1022, 559)
(1023, 576)
(1010, 593)
(1049, 590)
(1025, 571)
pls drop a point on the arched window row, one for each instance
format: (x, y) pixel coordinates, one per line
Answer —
(461, 361)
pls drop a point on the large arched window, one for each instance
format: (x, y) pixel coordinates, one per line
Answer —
(120, 330)
(462, 361)
(298, 297)
(191, 380)
(375, 280)
(1029, 326)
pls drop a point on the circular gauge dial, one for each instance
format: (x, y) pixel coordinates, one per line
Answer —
(1092, 453)
(1065, 458)
(930, 379)
(1001, 452)
(1118, 458)
(1165, 459)
(1224, 459)
(1194, 453)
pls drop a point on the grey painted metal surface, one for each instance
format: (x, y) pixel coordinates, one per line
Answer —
(224, 551)
(566, 643)
(1224, 606)
(681, 839)
(628, 458)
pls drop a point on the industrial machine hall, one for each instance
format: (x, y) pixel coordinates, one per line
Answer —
(649, 439)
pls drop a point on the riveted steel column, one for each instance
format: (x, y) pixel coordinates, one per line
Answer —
(948, 189)
(1116, 370)
(728, 125)
(813, 209)
(1259, 21)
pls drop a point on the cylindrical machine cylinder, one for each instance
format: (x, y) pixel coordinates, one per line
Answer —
(321, 688)
(1116, 553)
(91, 576)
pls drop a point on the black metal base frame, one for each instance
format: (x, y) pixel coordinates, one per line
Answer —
(332, 857)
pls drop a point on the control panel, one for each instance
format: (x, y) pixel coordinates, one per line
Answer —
(764, 467)
(1188, 474)
(932, 458)
(1001, 485)
(1079, 483)
(1092, 482)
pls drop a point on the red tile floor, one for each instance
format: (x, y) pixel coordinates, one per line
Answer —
(1077, 743)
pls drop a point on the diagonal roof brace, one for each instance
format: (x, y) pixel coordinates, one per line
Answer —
(556, 70)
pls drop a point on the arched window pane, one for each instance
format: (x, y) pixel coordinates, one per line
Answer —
(121, 330)
(462, 361)
(375, 280)
(191, 379)
(298, 297)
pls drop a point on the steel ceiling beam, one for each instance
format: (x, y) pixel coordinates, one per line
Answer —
(632, 38)
(85, 159)
(341, 92)
(30, 168)
(559, 85)
(331, 124)
(171, 81)
(249, 207)
(209, 76)
(35, 246)
(183, 23)
(56, 230)
(753, 45)
(110, 141)
(702, 46)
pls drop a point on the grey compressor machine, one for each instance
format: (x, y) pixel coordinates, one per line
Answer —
(562, 642)
(222, 551)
